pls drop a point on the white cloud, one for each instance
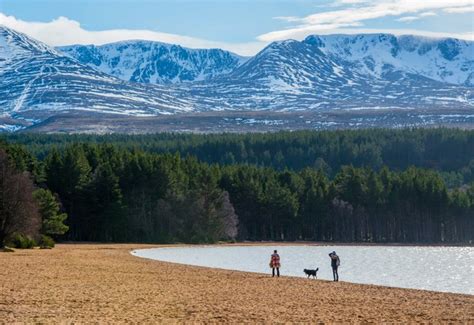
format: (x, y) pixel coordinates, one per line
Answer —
(428, 14)
(64, 31)
(301, 34)
(459, 10)
(355, 16)
(287, 18)
(408, 19)
(378, 9)
(345, 2)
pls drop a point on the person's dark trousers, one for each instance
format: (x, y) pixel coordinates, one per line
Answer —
(273, 271)
(334, 274)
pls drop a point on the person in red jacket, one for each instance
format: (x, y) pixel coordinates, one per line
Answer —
(275, 263)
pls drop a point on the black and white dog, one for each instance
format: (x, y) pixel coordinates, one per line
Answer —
(313, 273)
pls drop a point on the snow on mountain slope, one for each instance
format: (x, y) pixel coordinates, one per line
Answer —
(293, 75)
(319, 74)
(13, 44)
(37, 79)
(446, 59)
(155, 62)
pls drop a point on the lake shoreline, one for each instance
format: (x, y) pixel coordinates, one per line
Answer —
(104, 283)
(310, 243)
(409, 267)
(304, 243)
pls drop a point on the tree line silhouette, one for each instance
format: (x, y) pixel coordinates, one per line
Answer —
(449, 151)
(347, 186)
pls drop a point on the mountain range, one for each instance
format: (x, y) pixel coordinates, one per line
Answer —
(155, 62)
(445, 60)
(431, 80)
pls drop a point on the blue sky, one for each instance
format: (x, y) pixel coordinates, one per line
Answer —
(242, 26)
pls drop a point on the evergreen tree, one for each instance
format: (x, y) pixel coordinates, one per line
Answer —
(49, 209)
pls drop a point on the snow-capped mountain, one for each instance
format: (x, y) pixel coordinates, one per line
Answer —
(38, 81)
(320, 74)
(155, 62)
(447, 60)
(312, 75)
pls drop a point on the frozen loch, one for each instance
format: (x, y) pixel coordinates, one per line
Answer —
(448, 269)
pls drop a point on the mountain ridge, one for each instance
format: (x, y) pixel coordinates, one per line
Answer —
(36, 78)
(446, 54)
(316, 75)
(453, 64)
(155, 62)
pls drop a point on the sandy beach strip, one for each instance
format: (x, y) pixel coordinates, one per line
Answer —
(95, 283)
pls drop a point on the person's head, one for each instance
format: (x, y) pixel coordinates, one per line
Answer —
(275, 251)
(333, 253)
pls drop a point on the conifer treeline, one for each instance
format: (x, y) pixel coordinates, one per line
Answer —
(282, 186)
(126, 192)
(450, 151)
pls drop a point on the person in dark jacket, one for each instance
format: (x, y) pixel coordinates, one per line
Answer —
(335, 262)
(275, 263)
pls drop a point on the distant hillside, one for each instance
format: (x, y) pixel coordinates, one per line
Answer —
(155, 62)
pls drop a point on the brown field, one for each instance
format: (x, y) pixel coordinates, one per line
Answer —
(84, 283)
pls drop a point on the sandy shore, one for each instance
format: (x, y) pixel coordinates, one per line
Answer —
(82, 283)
